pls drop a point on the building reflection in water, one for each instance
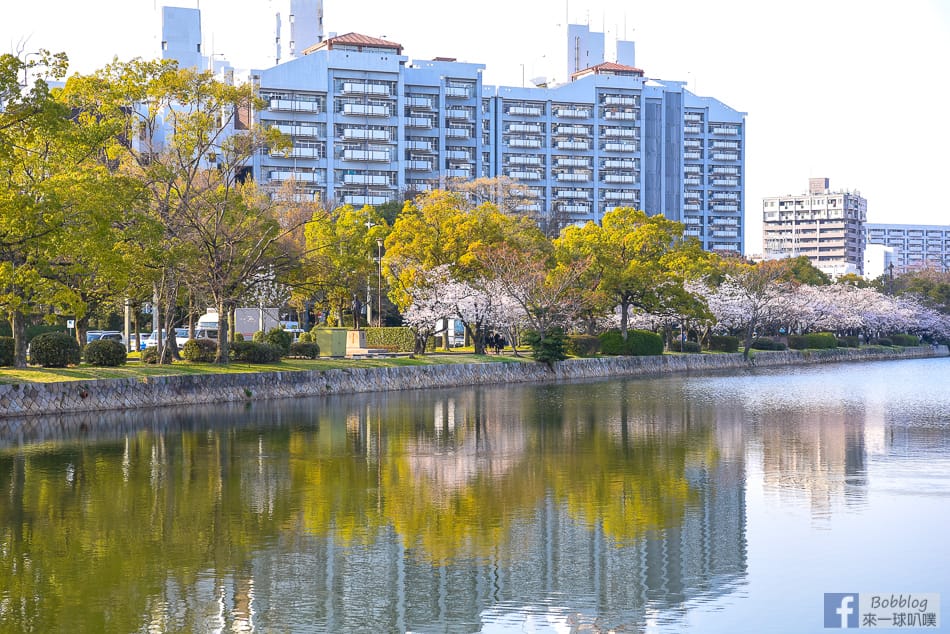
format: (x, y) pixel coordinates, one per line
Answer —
(587, 504)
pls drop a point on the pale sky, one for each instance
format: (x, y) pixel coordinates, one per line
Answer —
(854, 90)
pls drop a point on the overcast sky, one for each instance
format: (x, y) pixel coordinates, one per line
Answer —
(855, 90)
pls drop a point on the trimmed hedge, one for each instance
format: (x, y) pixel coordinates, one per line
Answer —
(6, 351)
(815, 340)
(908, 341)
(280, 338)
(763, 343)
(639, 343)
(199, 350)
(54, 350)
(305, 349)
(724, 343)
(582, 345)
(397, 339)
(255, 352)
(106, 353)
(686, 346)
(883, 341)
(849, 342)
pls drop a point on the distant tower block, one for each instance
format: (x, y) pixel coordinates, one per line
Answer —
(181, 36)
(298, 25)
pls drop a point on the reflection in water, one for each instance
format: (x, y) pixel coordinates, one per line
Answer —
(423, 510)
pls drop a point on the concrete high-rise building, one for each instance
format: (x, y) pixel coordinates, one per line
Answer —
(369, 126)
(825, 226)
(298, 25)
(915, 246)
(181, 37)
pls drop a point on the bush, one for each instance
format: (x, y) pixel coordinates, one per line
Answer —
(150, 355)
(908, 341)
(6, 351)
(54, 350)
(239, 336)
(255, 352)
(105, 353)
(883, 341)
(258, 336)
(305, 337)
(305, 349)
(764, 343)
(582, 345)
(199, 350)
(849, 342)
(817, 340)
(639, 343)
(686, 346)
(546, 348)
(724, 343)
(280, 338)
(397, 339)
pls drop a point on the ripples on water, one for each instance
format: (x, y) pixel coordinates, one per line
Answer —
(688, 503)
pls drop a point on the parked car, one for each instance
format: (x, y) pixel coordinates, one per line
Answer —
(181, 335)
(96, 335)
(151, 341)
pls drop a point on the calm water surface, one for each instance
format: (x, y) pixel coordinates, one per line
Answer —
(696, 504)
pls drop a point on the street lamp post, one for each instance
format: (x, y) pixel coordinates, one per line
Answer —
(379, 282)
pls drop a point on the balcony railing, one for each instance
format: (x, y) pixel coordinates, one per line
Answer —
(620, 116)
(295, 105)
(620, 147)
(424, 146)
(363, 134)
(458, 92)
(529, 128)
(573, 162)
(620, 101)
(458, 133)
(573, 177)
(578, 130)
(528, 143)
(619, 164)
(573, 113)
(365, 110)
(365, 179)
(359, 201)
(525, 175)
(573, 193)
(419, 122)
(366, 155)
(419, 102)
(524, 160)
(573, 145)
(419, 166)
(525, 111)
(619, 178)
(362, 88)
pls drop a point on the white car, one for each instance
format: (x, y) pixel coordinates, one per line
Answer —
(152, 340)
(181, 335)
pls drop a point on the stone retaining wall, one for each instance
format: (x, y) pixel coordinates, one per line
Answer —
(87, 396)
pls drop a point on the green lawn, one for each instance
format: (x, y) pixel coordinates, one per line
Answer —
(137, 370)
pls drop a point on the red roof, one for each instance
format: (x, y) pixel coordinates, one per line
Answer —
(608, 68)
(354, 39)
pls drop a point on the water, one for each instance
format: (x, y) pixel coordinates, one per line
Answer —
(689, 503)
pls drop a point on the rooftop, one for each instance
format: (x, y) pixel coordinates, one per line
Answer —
(352, 41)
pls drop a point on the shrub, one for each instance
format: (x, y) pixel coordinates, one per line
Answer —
(6, 351)
(582, 345)
(305, 349)
(397, 339)
(905, 340)
(54, 350)
(818, 340)
(258, 336)
(724, 343)
(883, 341)
(150, 355)
(546, 348)
(686, 346)
(199, 350)
(280, 338)
(612, 343)
(305, 337)
(849, 342)
(105, 353)
(239, 336)
(764, 343)
(255, 352)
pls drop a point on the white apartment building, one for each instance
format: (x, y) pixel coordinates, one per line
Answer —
(825, 226)
(915, 246)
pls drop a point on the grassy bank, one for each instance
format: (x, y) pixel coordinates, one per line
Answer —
(135, 369)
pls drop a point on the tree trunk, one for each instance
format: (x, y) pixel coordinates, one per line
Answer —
(18, 326)
(624, 316)
(222, 356)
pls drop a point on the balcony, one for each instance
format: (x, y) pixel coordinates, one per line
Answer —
(573, 177)
(458, 133)
(424, 123)
(458, 114)
(424, 146)
(366, 155)
(692, 129)
(620, 147)
(725, 156)
(573, 194)
(365, 110)
(573, 145)
(619, 178)
(623, 196)
(692, 207)
(620, 101)
(619, 164)
(725, 207)
(528, 143)
(730, 196)
(573, 162)
(524, 160)
(458, 173)
(299, 130)
(725, 130)
(574, 209)
(693, 182)
(573, 113)
(419, 166)
(365, 179)
(364, 134)
(458, 92)
(725, 182)
(693, 156)
(625, 133)
(525, 175)
(419, 102)
(294, 105)
(363, 88)
(359, 201)
(458, 155)
(285, 175)
(525, 111)
(693, 118)
(528, 128)
(529, 207)
(576, 130)
(621, 116)
(725, 171)
(725, 145)
(301, 152)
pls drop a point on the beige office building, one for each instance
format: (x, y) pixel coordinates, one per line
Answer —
(825, 226)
